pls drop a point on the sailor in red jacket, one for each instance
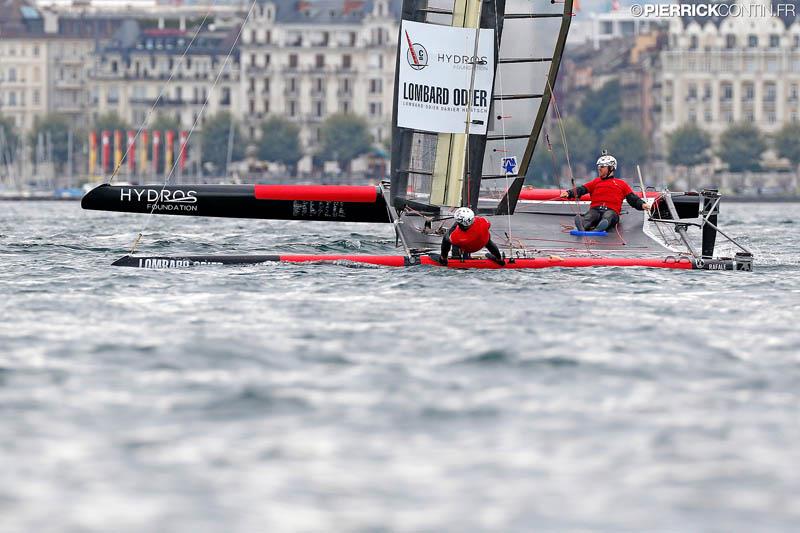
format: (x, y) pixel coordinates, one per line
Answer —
(607, 193)
(469, 234)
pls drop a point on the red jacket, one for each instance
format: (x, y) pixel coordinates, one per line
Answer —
(608, 193)
(474, 238)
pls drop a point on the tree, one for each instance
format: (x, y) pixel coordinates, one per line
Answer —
(741, 146)
(164, 122)
(601, 109)
(387, 139)
(627, 144)
(8, 140)
(689, 146)
(215, 140)
(582, 148)
(344, 137)
(56, 127)
(110, 121)
(787, 144)
(280, 142)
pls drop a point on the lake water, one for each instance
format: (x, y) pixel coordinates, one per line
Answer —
(342, 398)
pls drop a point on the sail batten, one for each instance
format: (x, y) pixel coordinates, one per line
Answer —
(505, 60)
(517, 96)
(523, 16)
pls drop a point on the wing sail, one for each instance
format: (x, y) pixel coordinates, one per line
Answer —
(430, 161)
(525, 77)
(451, 169)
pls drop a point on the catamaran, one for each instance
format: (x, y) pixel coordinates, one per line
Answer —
(473, 89)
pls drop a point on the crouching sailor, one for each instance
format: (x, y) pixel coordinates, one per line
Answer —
(469, 234)
(607, 192)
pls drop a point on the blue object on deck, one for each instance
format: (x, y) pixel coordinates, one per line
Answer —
(579, 233)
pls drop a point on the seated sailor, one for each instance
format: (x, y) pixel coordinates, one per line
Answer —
(607, 192)
(469, 234)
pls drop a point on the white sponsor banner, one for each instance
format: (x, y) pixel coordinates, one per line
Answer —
(436, 64)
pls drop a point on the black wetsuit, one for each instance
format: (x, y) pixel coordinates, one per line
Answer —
(497, 256)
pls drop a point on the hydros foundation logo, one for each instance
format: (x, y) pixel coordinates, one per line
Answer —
(154, 195)
(177, 201)
(416, 55)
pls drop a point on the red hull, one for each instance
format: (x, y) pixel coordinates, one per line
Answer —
(382, 260)
(542, 262)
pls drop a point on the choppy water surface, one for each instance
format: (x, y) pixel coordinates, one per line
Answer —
(338, 398)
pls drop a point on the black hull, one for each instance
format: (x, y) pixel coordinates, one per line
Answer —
(231, 201)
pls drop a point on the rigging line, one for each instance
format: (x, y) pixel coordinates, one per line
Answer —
(563, 133)
(535, 202)
(161, 93)
(499, 72)
(194, 126)
(469, 106)
(552, 159)
(616, 227)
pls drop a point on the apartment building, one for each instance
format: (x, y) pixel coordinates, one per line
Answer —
(46, 60)
(132, 75)
(306, 61)
(24, 73)
(743, 69)
(618, 24)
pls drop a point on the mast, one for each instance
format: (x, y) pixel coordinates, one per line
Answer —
(492, 16)
(451, 148)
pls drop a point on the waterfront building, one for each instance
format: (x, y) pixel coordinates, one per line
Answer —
(718, 72)
(46, 60)
(633, 61)
(141, 70)
(305, 61)
(618, 24)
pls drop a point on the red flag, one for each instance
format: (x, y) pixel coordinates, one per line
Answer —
(168, 150)
(184, 138)
(156, 149)
(106, 154)
(143, 163)
(131, 151)
(117, 149)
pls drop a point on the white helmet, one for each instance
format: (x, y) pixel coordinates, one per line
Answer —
(464, 216)
(606, 160)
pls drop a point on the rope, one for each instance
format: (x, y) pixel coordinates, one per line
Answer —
(562, 131)
(161, 94)
(552, 159)
(194, 126)
(535, 202)
(616, 227)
